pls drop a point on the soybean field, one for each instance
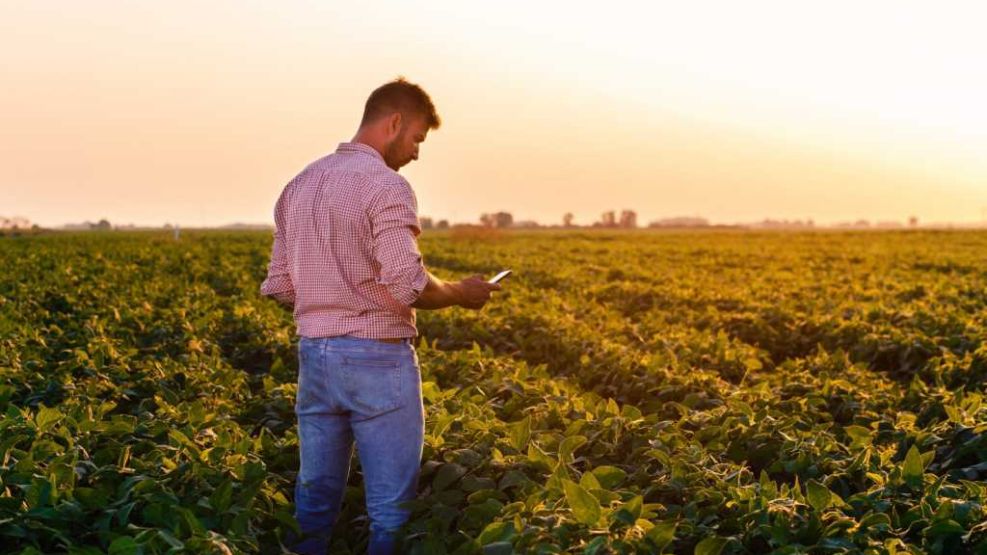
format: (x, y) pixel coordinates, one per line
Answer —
(707, 392)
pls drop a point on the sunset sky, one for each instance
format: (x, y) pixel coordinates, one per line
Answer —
(198, 113)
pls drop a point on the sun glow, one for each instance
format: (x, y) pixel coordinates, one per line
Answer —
(199, 114)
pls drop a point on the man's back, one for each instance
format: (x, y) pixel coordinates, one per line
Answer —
(345, 247)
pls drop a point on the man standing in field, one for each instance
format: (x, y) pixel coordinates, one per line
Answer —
(346, 257)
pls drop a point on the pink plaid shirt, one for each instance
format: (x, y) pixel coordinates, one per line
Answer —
(345, 248)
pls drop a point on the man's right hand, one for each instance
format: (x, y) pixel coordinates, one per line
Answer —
(474, 291)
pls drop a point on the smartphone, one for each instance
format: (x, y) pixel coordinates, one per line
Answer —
(500, 276)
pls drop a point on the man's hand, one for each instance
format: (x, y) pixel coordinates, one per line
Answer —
(472, 292)
(475, 291)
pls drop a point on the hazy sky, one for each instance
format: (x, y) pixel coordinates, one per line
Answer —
(200, 112)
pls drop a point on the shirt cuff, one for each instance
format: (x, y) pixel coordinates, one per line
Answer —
(418, 285)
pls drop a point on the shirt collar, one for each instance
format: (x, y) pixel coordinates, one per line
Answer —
(359, 147)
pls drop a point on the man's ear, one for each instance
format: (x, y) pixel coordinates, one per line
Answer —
(394, 124)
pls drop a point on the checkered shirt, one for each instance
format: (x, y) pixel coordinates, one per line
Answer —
(345, 250)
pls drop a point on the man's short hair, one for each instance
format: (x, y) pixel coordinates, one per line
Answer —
(401, 96)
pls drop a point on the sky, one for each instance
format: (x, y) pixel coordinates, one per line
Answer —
(198, 113)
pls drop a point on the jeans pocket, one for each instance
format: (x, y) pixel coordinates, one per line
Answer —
(372, 383)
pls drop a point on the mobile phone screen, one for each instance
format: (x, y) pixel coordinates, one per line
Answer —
(500, 276)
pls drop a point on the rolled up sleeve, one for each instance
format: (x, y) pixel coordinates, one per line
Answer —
(278, 284)
(395, 229)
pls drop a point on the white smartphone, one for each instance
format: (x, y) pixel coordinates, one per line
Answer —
(499, 276)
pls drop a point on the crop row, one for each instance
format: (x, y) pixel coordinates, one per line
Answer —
(625, 393)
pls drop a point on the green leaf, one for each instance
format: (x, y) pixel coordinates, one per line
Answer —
(442, 424)
(287, 519)
(634, 506)
(630, 412)
(589, 481)
(560, 473)
(629, 512)
(170, 539)
(124, 545)
(860, 436)
(569, 446)
(497, 532)
(876, 520)
(511, 479)
(180, 438)
(818, 495)
(46, 417)
(520, 434)
(220, 499)
(912, 469)
(609, 476)
(596, 546)
(944, 528)
(447, 475)
(538, 457)
(662, 533)
(584, 506)
(431, 392)
(711, 546)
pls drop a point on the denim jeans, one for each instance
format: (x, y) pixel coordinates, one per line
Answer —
(351, 388)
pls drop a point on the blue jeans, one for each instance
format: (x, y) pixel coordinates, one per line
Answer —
(351, 388)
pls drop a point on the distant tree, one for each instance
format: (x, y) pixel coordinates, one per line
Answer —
(102, 225)
(526, 224)
(628, 219)
(496, 219)
(442, 224)
(913, 221)
(567, 219)
(425, 222)
(608, 219)
(14, 223)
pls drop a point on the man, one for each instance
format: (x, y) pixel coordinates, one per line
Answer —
(345, 256)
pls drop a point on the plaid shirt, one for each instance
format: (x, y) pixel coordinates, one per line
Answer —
(345, 251)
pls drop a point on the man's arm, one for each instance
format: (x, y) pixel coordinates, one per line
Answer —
(472, 292)
(394, 222)
(394, 229)
(278, 284)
